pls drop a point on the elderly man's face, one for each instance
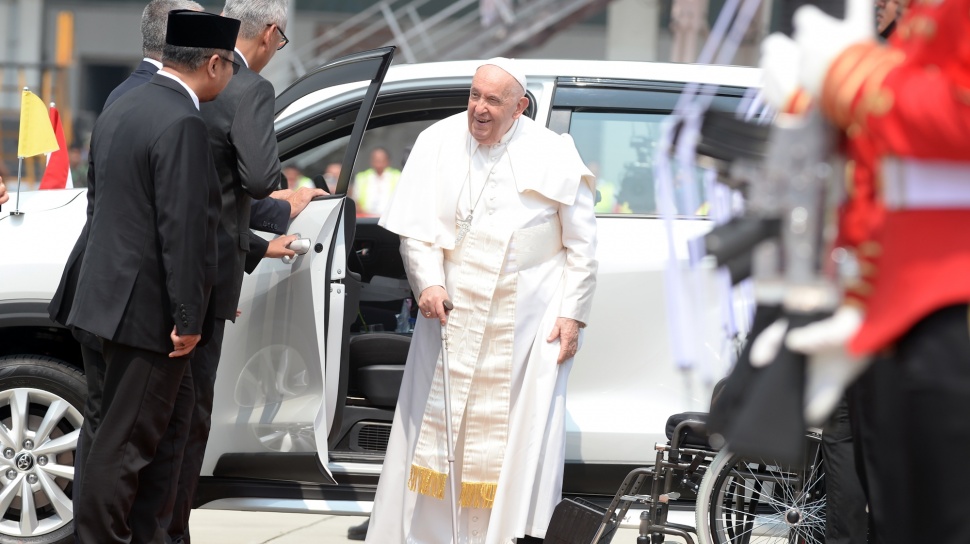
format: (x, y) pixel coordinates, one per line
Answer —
(495, 102)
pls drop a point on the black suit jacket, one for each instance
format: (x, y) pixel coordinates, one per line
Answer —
(269, 215)
(60, 305)
(150, 258)
(240, 123)
(142, 74)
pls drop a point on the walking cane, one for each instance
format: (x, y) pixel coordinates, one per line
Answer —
(451, 437)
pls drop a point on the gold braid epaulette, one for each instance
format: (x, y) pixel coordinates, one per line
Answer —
(853, 83)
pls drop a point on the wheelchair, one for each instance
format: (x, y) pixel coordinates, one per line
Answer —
(738, 499)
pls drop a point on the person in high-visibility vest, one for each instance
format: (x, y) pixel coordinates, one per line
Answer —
(373, 187)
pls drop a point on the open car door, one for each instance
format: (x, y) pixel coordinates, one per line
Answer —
(276, 396)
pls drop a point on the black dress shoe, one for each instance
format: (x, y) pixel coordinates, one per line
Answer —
(528, 540)
(358, 532)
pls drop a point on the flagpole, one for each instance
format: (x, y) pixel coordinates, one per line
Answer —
(36, 135)
(20, 166)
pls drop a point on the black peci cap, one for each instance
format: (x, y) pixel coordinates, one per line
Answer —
(187, 28)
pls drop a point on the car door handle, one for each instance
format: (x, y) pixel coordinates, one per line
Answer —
(300, 246)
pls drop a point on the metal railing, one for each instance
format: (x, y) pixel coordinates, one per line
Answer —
(450, 33)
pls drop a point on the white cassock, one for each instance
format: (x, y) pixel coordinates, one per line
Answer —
(528, 258)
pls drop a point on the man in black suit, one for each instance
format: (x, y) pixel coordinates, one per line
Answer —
(154, 20)
(271, 215)
(143, 287)
(153, 23)
(243, 143)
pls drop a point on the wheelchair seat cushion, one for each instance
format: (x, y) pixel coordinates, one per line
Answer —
(693, 438)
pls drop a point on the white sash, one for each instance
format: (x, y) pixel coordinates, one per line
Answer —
(480, 331)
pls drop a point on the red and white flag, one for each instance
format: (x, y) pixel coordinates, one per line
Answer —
(57, 175)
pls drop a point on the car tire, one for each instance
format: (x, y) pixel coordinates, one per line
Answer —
(39, 452)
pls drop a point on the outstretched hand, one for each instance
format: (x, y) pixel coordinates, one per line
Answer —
(567, 331)
(277, 247)
(298, 199)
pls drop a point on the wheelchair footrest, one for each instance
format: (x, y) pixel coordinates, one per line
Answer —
(576, 521)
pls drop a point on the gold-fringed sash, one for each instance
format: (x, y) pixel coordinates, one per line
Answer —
(480, 339)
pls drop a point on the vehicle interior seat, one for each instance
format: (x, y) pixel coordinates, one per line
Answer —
(376, 355)
(377, 365)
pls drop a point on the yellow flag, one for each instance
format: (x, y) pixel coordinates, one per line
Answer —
(36, 131)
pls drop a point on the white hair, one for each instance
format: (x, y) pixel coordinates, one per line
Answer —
(154, 23)
(255, 15)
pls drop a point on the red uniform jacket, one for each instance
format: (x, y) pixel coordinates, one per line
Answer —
(910, 100)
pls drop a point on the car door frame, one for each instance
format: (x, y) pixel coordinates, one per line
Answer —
(280, 469)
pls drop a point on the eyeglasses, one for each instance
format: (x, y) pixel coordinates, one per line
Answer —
(235, 65)
(283, 41)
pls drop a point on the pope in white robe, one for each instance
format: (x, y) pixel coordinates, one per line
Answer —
(495, 214)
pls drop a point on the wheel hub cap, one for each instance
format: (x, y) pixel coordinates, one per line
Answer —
(25, 462)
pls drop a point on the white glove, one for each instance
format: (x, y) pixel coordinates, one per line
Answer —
(830, 367)
(821, 38)
(766, 345)
(780, 61)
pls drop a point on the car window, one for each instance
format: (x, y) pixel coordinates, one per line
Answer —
(395, 140)
(619, 148)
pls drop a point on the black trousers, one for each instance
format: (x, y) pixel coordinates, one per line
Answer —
(916, 433)
(131, 466)
(205, 361)
(847, 521)
(94, 367)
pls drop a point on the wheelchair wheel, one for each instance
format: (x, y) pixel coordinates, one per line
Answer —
(752, 501)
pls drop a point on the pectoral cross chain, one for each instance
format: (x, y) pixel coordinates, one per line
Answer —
(463, 228)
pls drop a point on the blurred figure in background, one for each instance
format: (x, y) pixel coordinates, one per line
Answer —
(78, 162)
(295, 178)
(331, 175)
(373, 187)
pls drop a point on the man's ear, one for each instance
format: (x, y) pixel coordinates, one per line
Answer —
(210, 65)
(521, 106)
(266, 38)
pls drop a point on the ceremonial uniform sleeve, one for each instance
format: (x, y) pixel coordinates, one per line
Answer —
(254, 139)
(181, 217)
(911, 98)
(424, 264)
(579, 239)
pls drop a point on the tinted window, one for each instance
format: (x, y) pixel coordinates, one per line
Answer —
(619, 148)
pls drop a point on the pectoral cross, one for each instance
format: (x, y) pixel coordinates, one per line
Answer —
(463, 228)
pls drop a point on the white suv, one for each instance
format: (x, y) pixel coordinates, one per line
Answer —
(308, 382)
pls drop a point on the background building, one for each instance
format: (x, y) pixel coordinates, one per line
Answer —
(73, 52)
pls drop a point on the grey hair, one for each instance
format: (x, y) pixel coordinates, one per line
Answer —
(254, 15)
(190, 58)
(154, 23)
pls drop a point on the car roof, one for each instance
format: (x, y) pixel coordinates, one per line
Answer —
(549, 69)
(539, 71)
